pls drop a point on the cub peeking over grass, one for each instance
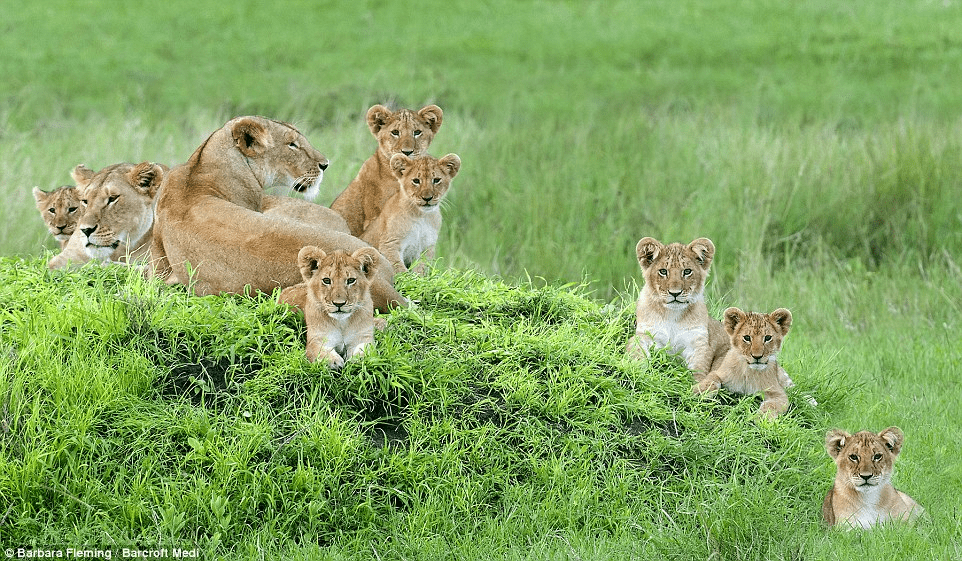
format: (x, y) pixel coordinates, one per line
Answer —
(409, 223)
(862, 495)
(671, 310)
(751, 364)
(60, 210)
(339, 312)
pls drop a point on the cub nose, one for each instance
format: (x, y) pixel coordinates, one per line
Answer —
(88, 231)
(757, 357)
(427, 199)
(866, 477)
(407, 152)
(674, 293)
(338, 304)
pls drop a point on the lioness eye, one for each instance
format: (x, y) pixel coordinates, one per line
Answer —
(52, 210)
(72, 209)
(437, 180)
(853, 457)
(768, 338)
(687, 272)
(747, 338)
(416, 181)
(292, 145)
(663, 272)
(876, 457)
(417, 133)
(351, 281)
(326, 280)
(395, 132)
(112, 198)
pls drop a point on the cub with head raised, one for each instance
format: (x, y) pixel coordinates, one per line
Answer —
(408, 225)
(671, 310)
(751, 364)
(862, 495)
(404, 132)
(60, 210)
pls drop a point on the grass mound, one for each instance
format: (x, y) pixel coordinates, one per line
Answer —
(135, 414)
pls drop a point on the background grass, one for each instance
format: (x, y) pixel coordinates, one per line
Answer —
(817, 144)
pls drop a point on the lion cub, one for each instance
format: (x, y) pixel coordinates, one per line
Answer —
(339, 312)
(408, 225)
(60, 210)
(671, 310)
(751, 364)
(862, 495)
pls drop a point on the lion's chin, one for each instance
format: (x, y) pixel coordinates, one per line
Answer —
(99, 252)
(310, 189)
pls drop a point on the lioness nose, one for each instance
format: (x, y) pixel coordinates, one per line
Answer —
(323, 166)
(88, 231)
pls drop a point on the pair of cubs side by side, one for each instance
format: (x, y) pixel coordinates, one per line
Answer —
(740, 354)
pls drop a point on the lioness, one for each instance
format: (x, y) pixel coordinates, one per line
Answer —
(671, 310)
(60, 210)
(751, 364)
(212, 231)
(862, 495)
(118, 214)
(397, 132)
(408, 225)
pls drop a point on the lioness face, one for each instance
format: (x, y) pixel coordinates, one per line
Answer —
(404, 131)
(864, 460)
(337, 282)
(757, 337)
(118, 205)
(60, 210)
(676, 272)
(282, 156)
(425, 180)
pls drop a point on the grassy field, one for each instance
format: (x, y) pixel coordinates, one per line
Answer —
(818, 144)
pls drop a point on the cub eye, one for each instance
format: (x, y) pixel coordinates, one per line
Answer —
(326, 281)
(52, 210)
(395, 133)
(747, 338)
(663, 272)
(112, 199)
(687, 272)
(437, 180)
(292, 146)
(417, 133)
(72, 210)
(768, 338)
(876, 457)
(853, 457)
(416, 181)
(351, 281)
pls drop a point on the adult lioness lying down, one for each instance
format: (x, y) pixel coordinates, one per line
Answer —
(216, 230)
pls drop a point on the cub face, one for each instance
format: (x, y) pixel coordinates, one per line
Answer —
(425, 180)
(757, 337)
(404, 131)
(60, 210)
(864, 460)
(676, 272)
(337, 282)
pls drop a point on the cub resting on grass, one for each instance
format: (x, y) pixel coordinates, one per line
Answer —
(60, 211)
(411, 219)
(751, 364)
(397, 132)
(118, 214)
(217, 232)
(862, 495)
(671, 310)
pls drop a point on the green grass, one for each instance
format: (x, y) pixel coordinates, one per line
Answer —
(818, 144)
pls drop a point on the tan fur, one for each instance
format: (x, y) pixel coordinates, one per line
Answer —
(118, 215)
(671, 310)
(216, 231)
(397, 132)
(60, 210)
(339, 312)
(751, 364)
(409, 223)
(862, 495)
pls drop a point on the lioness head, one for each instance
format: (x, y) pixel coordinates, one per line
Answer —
(757, 337)
(676, 272)
(403, 131)
(337, 282)
(118, 203)
(60, 210)
(425, 180)
(864, 460)
(279, 155)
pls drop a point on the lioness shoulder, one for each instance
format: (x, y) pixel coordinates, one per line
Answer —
(60, 210)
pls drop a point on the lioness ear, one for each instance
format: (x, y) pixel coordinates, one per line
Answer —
(835, 441)
(400, 164)
(893, 438)
(432, 115)
(704, 250)
(732, 318)
(251, 137)
(451, 164)
(377, 117)
(82, 175)
(647, 251)
(146, 178)
(783, 319)
(309, 259)
(368, 257)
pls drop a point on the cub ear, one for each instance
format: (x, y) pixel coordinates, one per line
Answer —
(893, 438)
(704, 251)
(835, 441)
(451, 164)
(647, 251)
(369, 259)
(39, 195)
(146, 178)
(732, 318)
(82, 175)
(377, 117)
(400, 164)
(251, 137)
(309, 259)
(782, 319)
(432, 116)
